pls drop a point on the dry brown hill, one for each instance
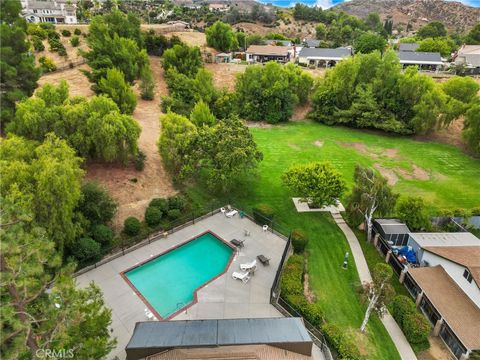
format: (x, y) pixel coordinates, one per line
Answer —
(455, 15)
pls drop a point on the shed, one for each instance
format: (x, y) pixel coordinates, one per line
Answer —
(223, 57)
(393, 231)
(153, 337)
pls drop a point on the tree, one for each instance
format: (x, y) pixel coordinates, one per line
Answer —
(378, 293)
(270, 93)
(147, 84)
(221, 37)
(94, 128)
(202, 116)
(411, 210)
(321, 31)
(432, 30)
(369, 42)
(118, 90)
(443, 46)
(184, 59)
(18, 75)
(473, 37)
(463, 89)
(371, 195)
(41, 307)
(373, 22)
(174, 145)
(96, 204)
(471, 130)
(318, 183)
(227, 152)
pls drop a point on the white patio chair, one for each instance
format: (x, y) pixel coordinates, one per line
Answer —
(265, 228)
(241, 276)
(231, 214)
(149, 315)
(249, 266)
(223, 210)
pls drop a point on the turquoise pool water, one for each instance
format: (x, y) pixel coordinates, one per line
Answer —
(169, 281)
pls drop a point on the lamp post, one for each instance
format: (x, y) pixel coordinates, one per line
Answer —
(345, 261)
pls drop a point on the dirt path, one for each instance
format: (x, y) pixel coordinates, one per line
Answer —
(134, 189)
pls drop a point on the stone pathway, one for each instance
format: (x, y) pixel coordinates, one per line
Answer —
(398, 338)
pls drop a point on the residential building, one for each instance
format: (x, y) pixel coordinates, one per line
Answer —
(443, 278)
(468, 55)
(50, 11)
(219, 7)
(257, 338)
(311, 43)
(323, 57)
(424, 60)
(408, 47)
(264, 53)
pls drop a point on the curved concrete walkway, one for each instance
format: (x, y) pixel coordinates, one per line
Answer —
(398, 338)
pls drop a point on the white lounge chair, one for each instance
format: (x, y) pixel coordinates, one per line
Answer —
(241, 276)
(223, 210)
(149, 314)
(249, 266)
(265, 228)
(231, 214)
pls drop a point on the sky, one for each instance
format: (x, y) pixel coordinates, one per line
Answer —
(329, 3)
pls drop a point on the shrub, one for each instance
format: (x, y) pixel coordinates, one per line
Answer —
(341, 342)
(97, 205)
(174, 214)
(416, 328)
(102, 234)
(37, 43)
(475, 211)
(291, 281)
(56, 45)
(87, 249)
(147, 84)
(140, 160)
(159, 203)
(47, 26)
(131, 226)
(66, 33)
(47, 64)
(75, 41)
(120, 91)
(77, 31)
(401, 306)
(153, 215)
(35, 30)
(53, 35)
(263, 213)
(176, 202)
(299, 241)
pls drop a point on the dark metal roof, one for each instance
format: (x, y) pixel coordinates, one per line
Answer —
(223, 332)
(312, 43)
(408, 47)
(412, 57)
(392, 226)
(338, 53)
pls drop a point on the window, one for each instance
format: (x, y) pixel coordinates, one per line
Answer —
(467, 275)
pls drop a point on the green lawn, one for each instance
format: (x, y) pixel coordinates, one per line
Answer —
(454, 182)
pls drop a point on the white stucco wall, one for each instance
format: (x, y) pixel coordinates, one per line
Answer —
(455, 271)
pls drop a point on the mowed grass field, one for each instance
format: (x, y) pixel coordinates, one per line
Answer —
(441, 174)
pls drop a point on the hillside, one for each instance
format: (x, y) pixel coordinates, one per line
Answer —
(453, 14)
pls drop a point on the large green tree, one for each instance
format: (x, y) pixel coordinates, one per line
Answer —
(50, 174)
(184, 59)
(41, 307)
(369, 42)
(318, 183)
(94, 127)
(473, 36)
(221, 37)
(442, 45)
(18, 74)
(411, 210)
(115, 87)
(471, 131)
(371, 196)
(432, 30)
(270, 92)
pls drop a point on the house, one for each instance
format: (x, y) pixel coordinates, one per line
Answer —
(223, 58)
(408, 47)
(311, 43)
(424, 60)
(264, 53)
(468, 55)
(323, 57)
(393, 231)
(50, 11)
(181, 25)
(218, 7)
(262, 338)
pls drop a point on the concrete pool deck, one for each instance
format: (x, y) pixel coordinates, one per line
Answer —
(223, 298)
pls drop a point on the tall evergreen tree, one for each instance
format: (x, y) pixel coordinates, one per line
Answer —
(18, 75)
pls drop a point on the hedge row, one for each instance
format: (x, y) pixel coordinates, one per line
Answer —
(342, 342)
(414, 325)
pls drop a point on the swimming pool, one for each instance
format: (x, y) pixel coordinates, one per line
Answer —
(168, 282)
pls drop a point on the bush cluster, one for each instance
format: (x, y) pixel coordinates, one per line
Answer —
(66, 33)
(77, 31)
(414, 325)
(299, 241)
(37, 43)
(36, 30)
(87, 249)
(131, 226)
(170, 208)
(343, 343)
(56, 45)
(262, 213)
(47, 64)
(75, 41)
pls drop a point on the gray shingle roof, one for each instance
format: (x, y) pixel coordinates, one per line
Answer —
(318, 53)
(312, 43)
(412, 57)
(408, 47)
